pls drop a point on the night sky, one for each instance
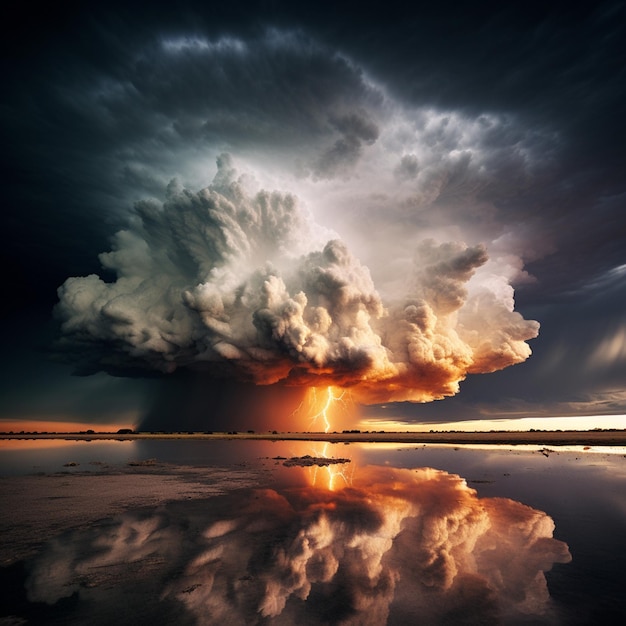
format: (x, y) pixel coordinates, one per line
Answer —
(209, 209)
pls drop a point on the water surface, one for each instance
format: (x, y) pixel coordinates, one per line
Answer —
(450, 534)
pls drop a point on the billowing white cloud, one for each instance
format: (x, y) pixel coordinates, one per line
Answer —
(394, 545)
(384, 145)
(240, 282)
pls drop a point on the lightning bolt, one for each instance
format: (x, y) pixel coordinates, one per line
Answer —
(323, 413)
(333, 473)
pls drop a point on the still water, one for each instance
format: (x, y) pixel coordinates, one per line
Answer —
(390, 535)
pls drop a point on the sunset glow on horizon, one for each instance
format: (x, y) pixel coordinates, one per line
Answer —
(41, 426)
(522, 424)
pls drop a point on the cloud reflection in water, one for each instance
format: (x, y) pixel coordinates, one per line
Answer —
(394, 545)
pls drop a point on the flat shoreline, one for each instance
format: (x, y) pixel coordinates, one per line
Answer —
(552, 438)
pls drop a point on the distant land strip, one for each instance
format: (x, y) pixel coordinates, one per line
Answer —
(540, 437)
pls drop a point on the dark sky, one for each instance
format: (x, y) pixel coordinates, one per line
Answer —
(199, 159)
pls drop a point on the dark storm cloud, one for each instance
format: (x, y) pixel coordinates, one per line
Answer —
(408, 167)
(193, 402)
(278, 88)
(355, 129)
(154, 105)
(550, 68)
(544, 60)
(495, 124)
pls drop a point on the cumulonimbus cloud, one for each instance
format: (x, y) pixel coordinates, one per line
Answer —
(237, 282)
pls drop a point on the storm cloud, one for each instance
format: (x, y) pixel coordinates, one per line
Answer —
(498, 126)
(217, 280)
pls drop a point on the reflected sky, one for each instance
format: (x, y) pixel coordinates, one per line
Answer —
(453, 534)
(31, 456)
(394, 544)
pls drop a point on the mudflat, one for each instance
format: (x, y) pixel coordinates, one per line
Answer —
(553, 438)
